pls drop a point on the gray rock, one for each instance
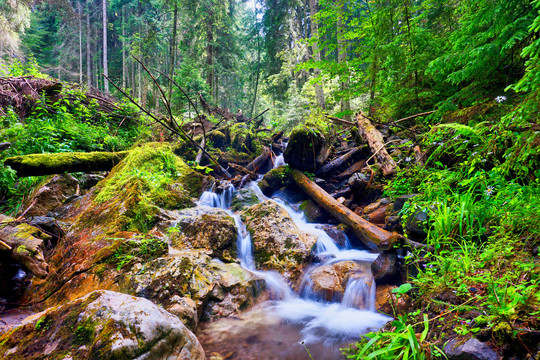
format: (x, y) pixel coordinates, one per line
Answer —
(358, 181)
(415, 224)
(208, 228)
(472, 349)
(384, 266)
(400, 201)
(244, 198)
(103, 325)
(50, 195)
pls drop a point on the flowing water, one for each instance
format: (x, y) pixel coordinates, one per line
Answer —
(317, 324)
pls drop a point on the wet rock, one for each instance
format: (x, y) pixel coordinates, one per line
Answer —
(50, 226)
(390, 303)
(26, 245)
(244, 198)
(416, 224)
(278, 244)
(358, 181)
(338, 235)
(313, 212)
(400, 201)
(329, 282)
(193, 275)
(50, 195)
(186, 310)
(206, 228)
(472, 349)
(308, 148)
(102, 325)
(88, 181)
(274, 180)
(392, 223)
(384, 266)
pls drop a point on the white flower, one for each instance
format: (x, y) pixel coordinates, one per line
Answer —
(408, 159)
(489, 190)
(500, 98)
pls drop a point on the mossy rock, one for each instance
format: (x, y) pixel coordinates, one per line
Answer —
(313, 212)
(244, 198)
(308, 148)
(278, 244)
(150, 178)
(218, 139)
(205, 228)
(274, 180)
(102, 325)
(237, 157)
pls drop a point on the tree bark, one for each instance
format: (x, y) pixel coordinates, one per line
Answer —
(210, 53)
(105, 60)
(372, 236)
(88, 56)
(319, 91)
(259, 161)
(374, 139)
(79, 7)
(124, 77)
(172, 54)
(60, 163)
(342, 58)
(333, 165)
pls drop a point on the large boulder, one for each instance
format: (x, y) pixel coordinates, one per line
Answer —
(102, 225)
(194, 275)
(278, 244)
(206, 228)
(274, 180)
(308, 148)
(102, 325)
(329, 282)
(25, 244)
(50, 195)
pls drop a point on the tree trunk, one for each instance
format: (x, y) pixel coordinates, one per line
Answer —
(210, 53)
(105, 65)
(319, 91)
(124, 76)
(342, 58)
(258, 74)
(372, 236)
(173, 48)
(88, 56)
(79, 6)
(375, 140)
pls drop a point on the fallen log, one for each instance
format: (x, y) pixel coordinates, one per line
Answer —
(341, 121)
(60, 163)
(243, 170)
(374, 138)
(372, 236)
(336, 163)
(357, 166)
(259, 161)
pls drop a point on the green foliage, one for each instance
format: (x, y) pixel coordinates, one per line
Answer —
(401, 343)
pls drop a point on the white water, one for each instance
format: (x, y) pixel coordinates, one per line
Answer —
(320, 320)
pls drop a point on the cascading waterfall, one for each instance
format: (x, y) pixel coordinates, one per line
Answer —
(321, 320)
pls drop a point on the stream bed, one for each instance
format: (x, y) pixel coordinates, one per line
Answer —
(293, 324)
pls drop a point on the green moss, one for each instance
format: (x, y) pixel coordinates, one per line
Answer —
(84, 334)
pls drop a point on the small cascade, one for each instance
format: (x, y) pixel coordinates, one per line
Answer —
(221, 200)
(320, 319)
(359, 294)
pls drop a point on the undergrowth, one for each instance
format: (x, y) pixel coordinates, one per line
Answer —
(480, 274)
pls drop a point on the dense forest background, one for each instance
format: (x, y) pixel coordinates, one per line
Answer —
(392, 58)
